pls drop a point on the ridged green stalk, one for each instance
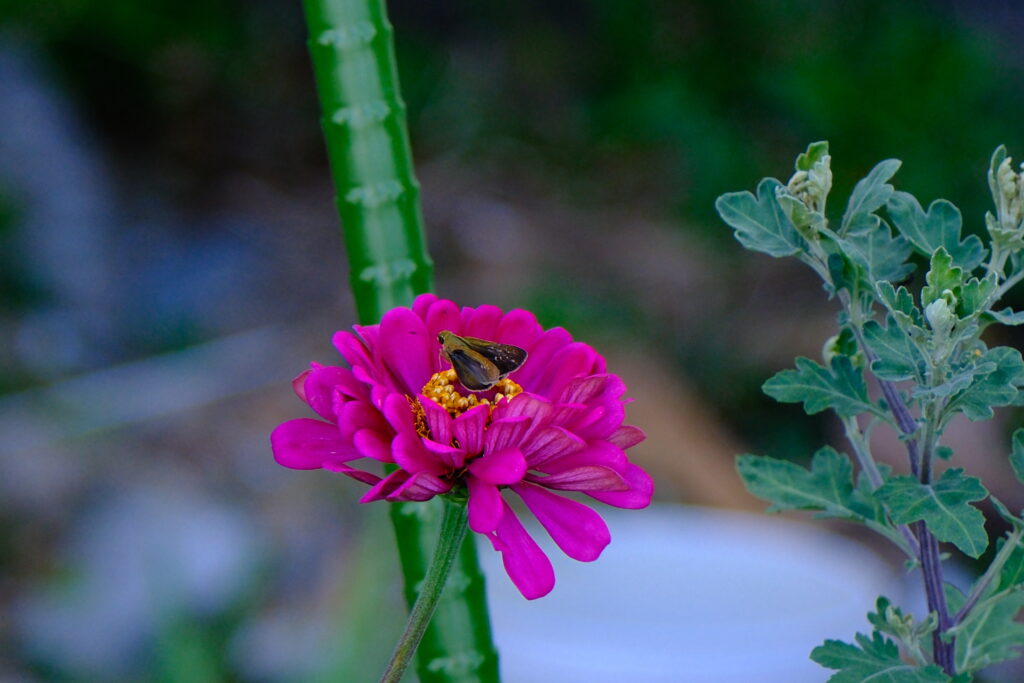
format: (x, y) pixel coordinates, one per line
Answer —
(352, 50)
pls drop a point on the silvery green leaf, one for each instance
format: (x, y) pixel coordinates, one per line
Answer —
(974, 295)
(896, 356)
(944, 505)
(759, 222)
(871, 192)
(1017, 454)
(901, 304)
(815, 152)
(939, 227)
(875, 659)
(990, 633)
(826, 487)
(942, 275)
(870, 243)
(998, 156)
(840, 387)
(990, 389)
(1007, 316)
(955, 382)
(1012, 573)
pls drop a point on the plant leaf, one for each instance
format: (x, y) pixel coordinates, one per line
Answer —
(990, 633)
(897, 357)
(827, 486)
(759, 222)
(941, 276)
(1007, 316)
(940, 227)
(987, 389)
(871, 192)
(875, 659)
(815, 152)
(974, 295)
(1017, 454)
(869, 242)
(840, 387)
(944, 505)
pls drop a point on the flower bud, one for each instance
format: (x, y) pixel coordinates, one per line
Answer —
(940, 315)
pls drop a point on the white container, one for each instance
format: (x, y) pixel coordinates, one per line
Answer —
(688, 594)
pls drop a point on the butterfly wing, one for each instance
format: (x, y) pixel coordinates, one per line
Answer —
(505, 357)
(475, 371)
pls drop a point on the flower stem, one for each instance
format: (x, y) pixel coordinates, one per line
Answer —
(453, 533)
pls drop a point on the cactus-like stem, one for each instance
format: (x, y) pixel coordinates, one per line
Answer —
(351, 46)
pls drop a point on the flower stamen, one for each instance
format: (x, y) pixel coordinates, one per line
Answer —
(441, 389)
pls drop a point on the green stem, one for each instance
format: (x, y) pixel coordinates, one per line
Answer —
(982, 584)
(363, 121)
(453, 532)
(364, 127)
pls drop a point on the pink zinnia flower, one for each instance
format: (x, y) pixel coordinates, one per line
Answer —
(554, 425)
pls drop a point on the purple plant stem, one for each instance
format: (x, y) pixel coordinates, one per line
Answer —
(931, 564)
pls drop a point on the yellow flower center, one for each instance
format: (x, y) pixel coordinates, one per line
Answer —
(441, 390)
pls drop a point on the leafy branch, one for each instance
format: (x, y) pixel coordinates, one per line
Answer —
(922, 345)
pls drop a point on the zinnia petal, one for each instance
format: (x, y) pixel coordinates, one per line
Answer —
(585, 478)
(320, 388)
(481, 322)
(371, 444)
(439, 422)
(358, 475)
(579, 531)
(641, 488)
(551, 443)
(405, 349)
(468, 429)
(485, 506)
(410, 454)
(519, 328)
(505, 433)
(306, 444)
(452, 458)
(627, 436)
(526, 564)
(499, 467)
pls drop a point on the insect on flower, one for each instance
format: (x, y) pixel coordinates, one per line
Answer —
(478, 363)
(396, 420)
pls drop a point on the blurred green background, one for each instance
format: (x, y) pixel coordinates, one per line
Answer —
(169, 258)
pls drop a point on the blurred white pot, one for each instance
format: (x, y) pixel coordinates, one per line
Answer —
(689, 594)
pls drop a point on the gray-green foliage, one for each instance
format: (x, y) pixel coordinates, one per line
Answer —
(919, 336)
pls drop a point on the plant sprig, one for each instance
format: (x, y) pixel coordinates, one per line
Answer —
(922, 344)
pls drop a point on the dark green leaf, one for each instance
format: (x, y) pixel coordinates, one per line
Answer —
(940, 227)
(900, 303)
(759, 222)
(840, 387)
(897, 357)
(990, 633)
(944, 505)
(875, 659)
(871, 192)
(989, 389)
